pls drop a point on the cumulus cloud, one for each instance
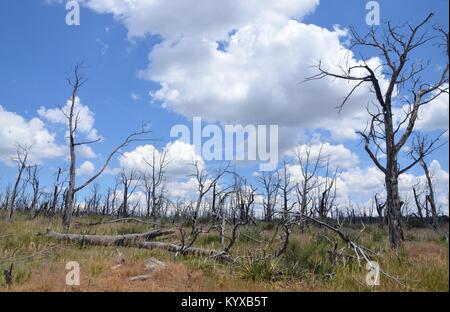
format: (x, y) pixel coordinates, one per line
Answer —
(226, 61)
(85, 115)
(337, 156)
(262, 70)
(359, 185)
(179, 157)
(201, 18)
(86, 168)
(16, 130)
(434, 116)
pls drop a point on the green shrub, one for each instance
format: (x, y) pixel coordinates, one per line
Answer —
(307, 258)
(260, 268)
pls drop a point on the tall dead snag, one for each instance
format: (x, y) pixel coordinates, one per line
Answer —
(205, 182)
(309, 170)
(430, 197)
(270, 182)
(380, 208)
(153, 180)
(22, 157)
(242, 198)
(419, 151)
(286, 188)
(326, 193)
(130, 182)
(73, 118)
(386, 133)
(33, 179)
(421, 207)
(57, 189)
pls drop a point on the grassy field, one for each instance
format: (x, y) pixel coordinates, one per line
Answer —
(39, 262)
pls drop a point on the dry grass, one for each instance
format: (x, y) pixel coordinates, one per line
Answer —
(39, 263)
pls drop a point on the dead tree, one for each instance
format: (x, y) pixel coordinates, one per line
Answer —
(326, 193)
(21, 159)
(73, 118)
(93, 200)
(380, 208)
(419, 152)
(421, 207)
(130, 182)
(309, 169)
(57, 189)
(383, 135)
(153, 179)
(286, 187)
(241, 200)
(33, 179)
(270, 182)
(205, 182)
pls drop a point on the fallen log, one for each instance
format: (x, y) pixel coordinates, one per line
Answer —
(108, 240)
(140, 241)
(121, 220)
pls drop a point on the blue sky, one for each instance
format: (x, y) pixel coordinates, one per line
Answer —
(129, 59)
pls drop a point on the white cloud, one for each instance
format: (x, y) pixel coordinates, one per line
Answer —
(186, 189)
(86, 168)
(338, 156)
(86, 151)
(434, 115)
(200, 18)
(360, 185)
(179, 155)
(85, 115)
(15, 130)
(258, 68)
(262, 71)
(363, 183)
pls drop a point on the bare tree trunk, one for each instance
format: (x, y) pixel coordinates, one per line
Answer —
(430, 197)
(22, 155)
(73, 120)
(393, 204)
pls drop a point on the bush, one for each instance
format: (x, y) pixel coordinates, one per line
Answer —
(260, 268)
(308, 258)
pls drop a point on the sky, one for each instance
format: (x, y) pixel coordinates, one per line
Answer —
(164, 62)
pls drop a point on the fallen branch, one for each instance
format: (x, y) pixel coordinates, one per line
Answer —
(357, 249)
(108, 240)
(140, 241)
(123, 220)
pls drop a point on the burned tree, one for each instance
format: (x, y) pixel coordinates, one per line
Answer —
(57, 189)
(380, 208)
(33, 180)
(326, 193)
(21, 159)
(73, 118)
(205, 182)
(153, 180)
(130, 182)
(384, 134)
(421, 148)
(270, 182)
(309, 169)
